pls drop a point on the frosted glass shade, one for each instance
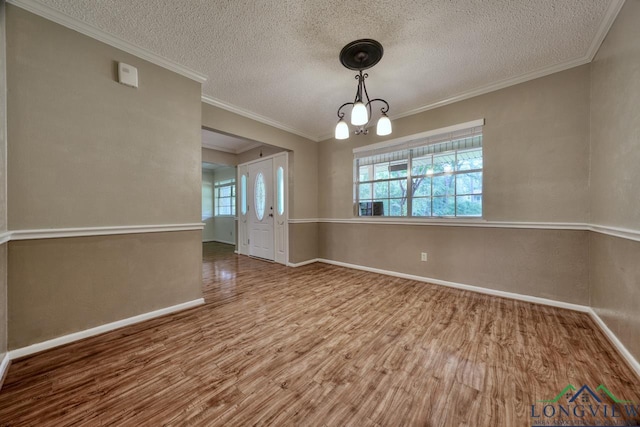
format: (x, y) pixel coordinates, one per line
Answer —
(359, 114)
(384, 126)
(342, 130)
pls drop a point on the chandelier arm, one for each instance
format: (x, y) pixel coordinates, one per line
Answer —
(384, 109)
(340, 113)
(366, 94)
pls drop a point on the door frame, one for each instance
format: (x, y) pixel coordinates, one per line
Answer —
(242, 235)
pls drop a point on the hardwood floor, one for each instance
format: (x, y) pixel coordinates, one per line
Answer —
(320, 345)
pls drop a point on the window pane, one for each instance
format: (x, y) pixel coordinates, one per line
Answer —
(421, 165)
(398, 169)
(469, 205)
(398, 207)
(385, 206)
(444, 185)
(469, 183)
(280, 179)
(421, 206)
(471, 159)
(382, 171)
(444, 206)
(443, 163)
(421, 187)
(225, 192)
(365, 173)
(243, 190)
(365, 192)
(397, 188)
(381, 189)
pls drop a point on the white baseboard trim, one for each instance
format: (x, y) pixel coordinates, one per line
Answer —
(219, 241)
(487, 291)
(76, 336)
(300, 264)
(633, 363)
(4, 366)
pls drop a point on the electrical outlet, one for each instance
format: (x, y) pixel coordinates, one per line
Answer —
(423, 256)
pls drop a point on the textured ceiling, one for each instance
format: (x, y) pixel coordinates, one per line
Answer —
(279, 59)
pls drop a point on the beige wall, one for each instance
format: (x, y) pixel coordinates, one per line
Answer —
(615, 286)
(536, 157)
(256, 153)
(543, 263)
(86, 151)
(303, 242)
(303, 194)
(219, 157)
(615, 177)
(61, 286)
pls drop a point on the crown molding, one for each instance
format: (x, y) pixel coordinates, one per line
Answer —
(612, 13)
(104, 37)
(257, 117)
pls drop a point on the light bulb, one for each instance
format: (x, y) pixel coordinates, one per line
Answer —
(359, 114)
(342, 130)
(384, 125)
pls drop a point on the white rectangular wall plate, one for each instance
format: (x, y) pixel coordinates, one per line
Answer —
(127, 75)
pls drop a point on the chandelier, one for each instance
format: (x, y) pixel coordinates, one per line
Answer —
(361, 55)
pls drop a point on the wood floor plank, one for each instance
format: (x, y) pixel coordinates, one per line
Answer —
(318, 346)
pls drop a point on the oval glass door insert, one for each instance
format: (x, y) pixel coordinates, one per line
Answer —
(260, 196)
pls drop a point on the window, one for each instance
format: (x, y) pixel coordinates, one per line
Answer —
(243, 189)
(225, 196)
(436, 176)
(280, 180)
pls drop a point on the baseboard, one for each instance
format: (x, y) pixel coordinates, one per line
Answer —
(626, 354)
(76, 336)
(300, 264)
(4, 368)
(487, 291)
(219, 241)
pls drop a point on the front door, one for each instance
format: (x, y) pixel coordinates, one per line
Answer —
(260, 209)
